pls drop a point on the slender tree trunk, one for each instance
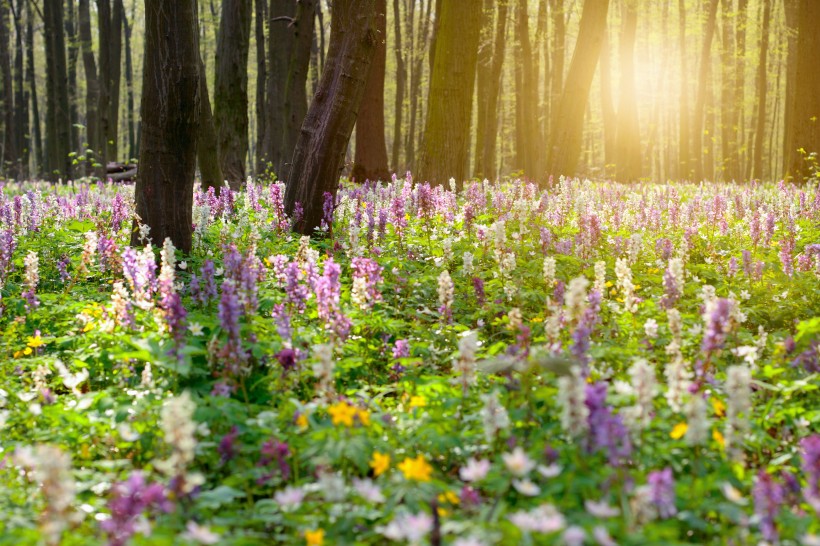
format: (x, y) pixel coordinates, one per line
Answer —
(805, 123)
(370, 161)
(740, 87)
(421, 34)
(21, 121)
(629, 137)
(401, 83)
(488, 146)
(170, 114)
(760, 129)
(565, 147)
(73, 54)
(58, 122)
(129, 86)
(104, 78)
(684, 157)
(446, 142)
(326, 131)
(231, 90)
(704, 81)
(610, 119)
(206, 145)
(483, 84)
(10, 152)
(92, 85)
(558, 41)
(261, 15)
(530, 134)
(114, 81)
(792, 8)
(280, 46)
(39, 149)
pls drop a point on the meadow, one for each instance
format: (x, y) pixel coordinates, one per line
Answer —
(592, 363)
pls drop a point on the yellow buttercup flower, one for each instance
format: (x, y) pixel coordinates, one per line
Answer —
(380, 463)
(315, 538)
(35, 341)
(718, 437)
(417, 402)
(719, 407)
(364, 416)
(302, 421)
(416, 469)
(342, 413)
(448, 497)
(27, 351)
(678, 431)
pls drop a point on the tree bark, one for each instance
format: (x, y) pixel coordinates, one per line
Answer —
(206, 145)
(483, 84)
(629, 138)
(92, 84)
(73, 51)
(792, 8)
(487, 148)
(446, 142)
(39, 149)
(261, 15)
(557, 75)
(129, 85)
(231, 90)
(58, 121)
(565, 141)
(370, 161)
(114, 81)
(21, 120)
(319, 154)
(170, 114)
(703, 89)
(760, 129)
(740, 85)
(805, 123)
(529, 137)
(401, 83)
(610, 118)
(10, 153)
(684, 157)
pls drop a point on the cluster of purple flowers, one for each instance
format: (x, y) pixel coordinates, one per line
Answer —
(129, 501)
(607, 431)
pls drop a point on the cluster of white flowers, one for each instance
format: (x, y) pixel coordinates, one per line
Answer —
(644, 387)
(697, 420)
(549, 273)
(678, 273)
(178, 426)
(572, 400)
(89, 256)
(324, 369)
(465, 362)
(446, 290)
(120, 301)
(624, 275)
(678, 375)
(32, 275)
(447, 249)
(600, 278)
(467, 261)
(494, 415)
(575, 298)
(635, 243)
(201, 219)
(738, 407)
(358, 292)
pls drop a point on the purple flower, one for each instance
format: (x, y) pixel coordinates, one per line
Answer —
(227, 445)
(128, 502)
(401, 349)
(662, 492)
(811, 468)
(787, 256)
(717, 325)
(768, 496)
(287, 359)
(607, 431)
(275, 451)
(478, 288)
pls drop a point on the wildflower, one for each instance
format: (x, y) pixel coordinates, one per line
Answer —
(465, 362)
(179, 428)
(673, 283)
(446, 290)
(200, 533)
(323, 369)
(316, 537)
(662, 492)
(650, 328)
(290, 498)
(697, 432)
(32, 278)
(368, 490)
(342, 413)
(543, 519)
(467, 263)
(410, 527)
(494, 415)
(380, 463)
(607, 431)
(367, 276)
(129, 501)
(678, 431)
(574, 536)
(738, 407)
(475, 470)
(644, 386)
(718, 319)
(575, 298)
(601, 509)
(811, 468)
(416, 469)
(623, 273)
(678, 377)
(600, 277)
(768, 496)
(571, 396)
(517, 462)
(549, 271)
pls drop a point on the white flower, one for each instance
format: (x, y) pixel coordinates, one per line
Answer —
(602, 536)
(526, 487)
(368, 490)
(475, 470)
(550, 471)
(468, 541)
(543, 519)
(733, 494)
(195, 328)
(410, 527)
(601, 509)
(199, 533)
(517, 462)
(290, 497)
(574, 536)
(650, 327)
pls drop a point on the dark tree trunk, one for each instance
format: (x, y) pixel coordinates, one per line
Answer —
(804, 129)
(629, 138)
(261, 15)
(206, 145)
(170, 114)
(104, 79)
(487, 148)
(58, 122)
(791, 12)
(92, 85)
(704, 81)
(114, 80)
(483, 71)
(295, 93)
(529, 137)
(566, 138)
(319, 154)
(39, 149)
(760, 129)
(446, 144)
(370, 161)
(129, 86)
(231, 90)
(73, 54)
(418, 38)
(10, 152)
(21, 121)
(401, 83)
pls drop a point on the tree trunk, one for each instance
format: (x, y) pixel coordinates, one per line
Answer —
(104, 75)
(58, 122)
(206, 145)
(684, 157)
(629, 137)
(558, 40)
(419, 37)
(21, 121)
(114, 80)
(10, 153)
(703, 89)
(370, 162)
(325, 133)
(740, 86)
(295, 87)
(728, 109)
(401, 83)
(529, 141)
(231, 90)
(170, 114)
(39, 149)
(73, 54)
(610, 119)
(805, 122)
(760, 129)
(483, 83)
(565, 147)
(261, 15)
(129, 85)
(487, 148)
(792, 8)
(92, 85)
(446, 142)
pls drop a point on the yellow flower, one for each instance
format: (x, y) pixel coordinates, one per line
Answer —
(608, 284)
(719, 407)
(364, 416)
(416, 469)
(302, 421)
(35, 341)
(342, 413)
(448, 497)
(417, 402)
(27, 351)
(678, 431)
(613, 292)
(88, 327)
(718, 437)
(379, 463)
(315, 538)
(17, 354)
